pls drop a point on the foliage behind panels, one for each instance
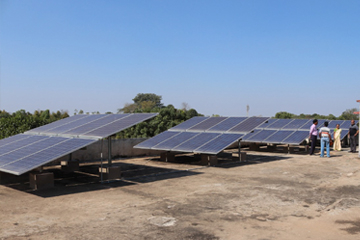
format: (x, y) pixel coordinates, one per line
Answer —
(22, 121)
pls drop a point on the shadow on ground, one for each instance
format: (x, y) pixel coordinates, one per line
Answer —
(88, 179)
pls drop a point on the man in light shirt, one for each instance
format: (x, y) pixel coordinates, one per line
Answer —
(325, 139)
(313, 136)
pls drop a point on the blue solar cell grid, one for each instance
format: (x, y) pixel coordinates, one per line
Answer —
(267, 123)
(279, 136)
(148, 144)
(20, 143)
(19, 152)
(262, 135)
(12, 139)
(107, 119)
(332, 124)
(173, 142)
(249, 136)
(343, 134)
(196, 142)
(296, 124)
(218, 144)
(58, 123)
(74, 124)
(119, 125)
(227, 124)
(52, 152)
(279, 124)
(206, 124)
(248, 125)
(346, 124)
(188, 124)
(308, 124)
(296, 138)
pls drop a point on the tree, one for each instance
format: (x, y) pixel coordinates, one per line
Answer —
(185, 106)
(348, 114)
(284, 115)
(143, 102)
(148, 97)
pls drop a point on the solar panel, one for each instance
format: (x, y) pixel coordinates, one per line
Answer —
(346, 124)
(49, 152)
(267, 123)
(219, 143)
(279, 136)
(119, 125)
(24, 152)
(279, 124)
(227, 124)
(171, 143)
(11, 139)
(250, 135)
(248, 125)
(261, 136)
(56, 124)
(15, 151)
(196, 142)
(188, 124)
(333, 123)
(4, 149)
(206, 124)
(308, 124)
(343, 134)
(148, 144)
(88, 127)
(296, 124)
(73, 124)
(297, 137)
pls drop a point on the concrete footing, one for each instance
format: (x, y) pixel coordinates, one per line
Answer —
(167, 157)
(243, 156)
(110, 173)
(40, 181)
(296, 149)
(208, 159)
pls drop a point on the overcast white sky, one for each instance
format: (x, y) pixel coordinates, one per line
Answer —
(217, 56)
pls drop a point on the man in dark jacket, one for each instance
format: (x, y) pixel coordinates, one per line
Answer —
(353, 132)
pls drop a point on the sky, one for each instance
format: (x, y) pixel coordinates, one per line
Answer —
(218, 56)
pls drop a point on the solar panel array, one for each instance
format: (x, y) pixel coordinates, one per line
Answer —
(91, 126)
(24, 152)
(290, 131)
(208, 135)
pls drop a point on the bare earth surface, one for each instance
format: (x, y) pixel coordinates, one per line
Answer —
(272, 196)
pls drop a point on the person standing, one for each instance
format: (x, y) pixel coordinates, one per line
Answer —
(337, 138)
(353, 132)
(325, 139)
(313, 136)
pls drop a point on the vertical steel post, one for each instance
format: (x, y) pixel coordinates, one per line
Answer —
(109, 151)
(239, 145)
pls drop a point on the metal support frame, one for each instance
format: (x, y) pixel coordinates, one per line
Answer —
(239, 151)
(109, 151)
(101, 157)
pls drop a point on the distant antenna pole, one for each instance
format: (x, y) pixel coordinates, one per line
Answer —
(247, 110)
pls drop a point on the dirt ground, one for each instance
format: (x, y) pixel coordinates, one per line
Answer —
(271, 196)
